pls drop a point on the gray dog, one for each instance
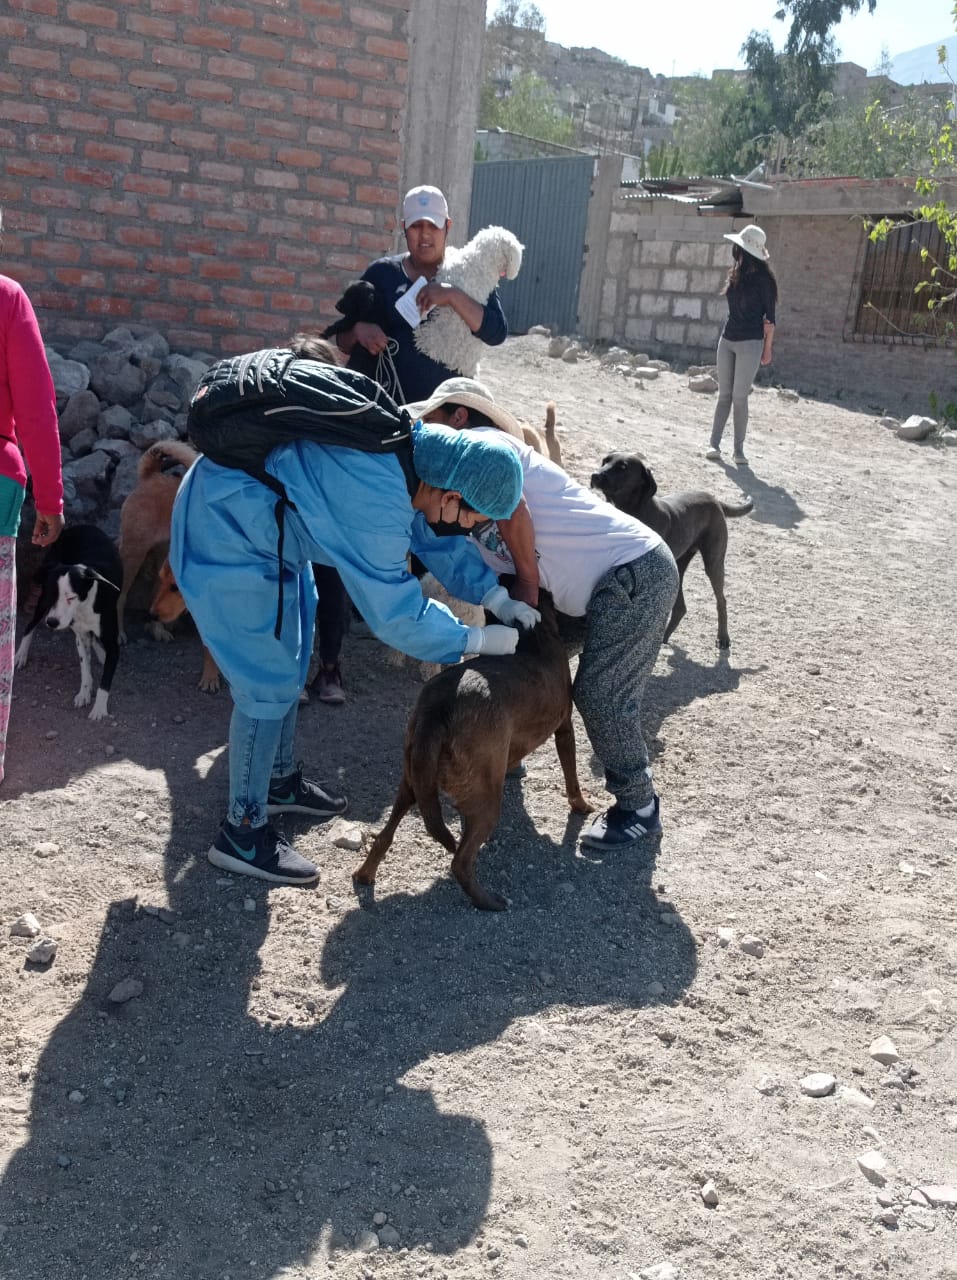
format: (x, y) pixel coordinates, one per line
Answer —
(689, 522)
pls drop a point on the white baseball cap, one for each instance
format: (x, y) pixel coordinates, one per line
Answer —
(425, 204)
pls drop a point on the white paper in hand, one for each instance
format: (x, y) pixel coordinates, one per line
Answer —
(407, 306)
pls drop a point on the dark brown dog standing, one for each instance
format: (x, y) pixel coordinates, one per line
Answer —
(472, 722)
(690, 521)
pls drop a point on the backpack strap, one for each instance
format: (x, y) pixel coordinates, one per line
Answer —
(282, 502)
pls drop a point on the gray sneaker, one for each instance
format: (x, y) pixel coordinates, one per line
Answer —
(262, 852)
(713, 455)
(740, 459)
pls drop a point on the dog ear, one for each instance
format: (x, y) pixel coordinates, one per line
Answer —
(90, 575)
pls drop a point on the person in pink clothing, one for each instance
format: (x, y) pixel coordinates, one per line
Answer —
(28, 421)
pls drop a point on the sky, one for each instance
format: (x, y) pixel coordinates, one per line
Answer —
(687, 37)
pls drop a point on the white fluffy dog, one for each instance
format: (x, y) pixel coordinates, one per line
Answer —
(476, 269)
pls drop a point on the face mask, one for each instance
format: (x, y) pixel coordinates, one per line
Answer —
(447, 528)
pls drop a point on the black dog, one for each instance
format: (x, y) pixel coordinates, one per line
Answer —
(359, 302)
(688, 522)
(80, 578)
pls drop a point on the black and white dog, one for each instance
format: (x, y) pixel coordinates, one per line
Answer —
(80, 578)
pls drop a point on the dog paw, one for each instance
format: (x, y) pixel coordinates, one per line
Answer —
(121, 638)
(82, 699)
(158, 632)
(212, 684)
(20, 661)
(581, 804)
(99, 711)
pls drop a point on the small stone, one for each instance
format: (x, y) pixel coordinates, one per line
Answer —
(709, 1194)
(25, 926)
(249, 904)
(920, 1218)
(379, 1219)
(522, 1241)
(655, 989)
(855, 1098)
(874, 1167)
(570, 356)
(884, 1050)
(752, 946)
(725, 936)
(813, 669)
(886, 1217)
(178, 719)
(46, 849)
(917, 1197)
(76, 1097)
(786, 393)
(140, 816)
(888, 421)
(128, 989)
(51, 734)
(388, 1236)
(669, 918)
(493, 1252)
(916, 427)
(818, 1084)
(884, 1198)
(768, 1086)
(180, 940)
(940, 1195)
(703, 382)
(646, 373)
(347, 837)
(660, 1271)
(43, 952)
(109, 750)
(336, 904)
(64, 1162)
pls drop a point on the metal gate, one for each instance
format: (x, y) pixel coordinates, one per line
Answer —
(545, 203)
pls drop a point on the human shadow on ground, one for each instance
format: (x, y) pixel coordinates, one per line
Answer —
(247, 1112)
(772, 502)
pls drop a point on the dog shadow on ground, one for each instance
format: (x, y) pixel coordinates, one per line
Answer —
(244, 1113)
(772, 502)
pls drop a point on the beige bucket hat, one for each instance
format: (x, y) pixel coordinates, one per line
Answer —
(472, 395)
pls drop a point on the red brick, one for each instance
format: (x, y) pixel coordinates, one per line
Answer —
(176, 112)
(178, 213)
(216, 172)
(29, 167)
(271, 128)
(108, 153)
(140, 236)
(367, 68)
(283, 78)
(252, 250)
(377, 96)
(231, 69)
(371, 19)
(273, 227)
(56, 251)
(140, 131)
(282, 24)
(80, 278)
(194, 140)
(38, 59)
(80, 228)
(374, 242)
(210, 91)
(356, 165)
(119, 307)
(265, 322)
(34, 224)
(168, 264)
(24, 112)
(334, 188)
(111, 100)
(222, 221)
(347, 262)
(315, 109)
(195, 291)
(220, 270)
(10, 138)
(398, 49)
(319, 59)
(145, 185)
(313, 210)
(352, 216)
(261, 47)
(164, 313)
(223, 120)
(273, 178)
(259, 201)
(364, 118)
(243, 297)
(229, 15)
(94, 69)
(174, 56)
(120, 47)
(381, 146)
(137, 285)
(296, 254)
(320, 9)
(299, 157)
(55, 33)
(192, 340)
(321, 135)
(109, 204)
(273, 276)
(12, 29)
(110, 255)
(92, 15)
(335, 87)
(329, 233)
(207, 37)
(256, 100)
(165, 160)
(57, 197)
(156, 81)
(56, 301)
(186, 8)
(57, 90)
(201, 194)
(298, 303)
(194, 242)
(389, 173)
(376, 195)
(154, 28)
(242, 149)
(48, 8)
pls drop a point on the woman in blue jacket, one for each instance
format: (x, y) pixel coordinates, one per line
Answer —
(351, 510)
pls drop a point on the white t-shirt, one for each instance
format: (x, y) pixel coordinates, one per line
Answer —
(578, 535)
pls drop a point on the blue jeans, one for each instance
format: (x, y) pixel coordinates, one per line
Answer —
(259, 750)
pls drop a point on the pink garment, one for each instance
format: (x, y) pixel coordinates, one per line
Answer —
(8, 622)
(27, 402)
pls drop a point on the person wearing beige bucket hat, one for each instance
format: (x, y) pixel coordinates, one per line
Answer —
(748, 335)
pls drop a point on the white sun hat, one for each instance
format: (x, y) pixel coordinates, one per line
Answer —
(751, 239)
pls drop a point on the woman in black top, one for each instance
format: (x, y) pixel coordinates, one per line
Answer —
(747, 337)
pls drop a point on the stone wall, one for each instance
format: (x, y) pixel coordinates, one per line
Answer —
(216, 168)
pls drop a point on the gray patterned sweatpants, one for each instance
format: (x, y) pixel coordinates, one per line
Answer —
(624, 626)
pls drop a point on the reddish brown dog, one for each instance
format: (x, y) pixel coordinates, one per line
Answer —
(166, 606)
(472, 723)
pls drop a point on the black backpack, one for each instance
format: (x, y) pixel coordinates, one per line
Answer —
(246, 406)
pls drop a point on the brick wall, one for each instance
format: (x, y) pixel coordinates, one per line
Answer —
(218, 169)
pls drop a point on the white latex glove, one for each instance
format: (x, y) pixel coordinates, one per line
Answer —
(495, 640)
(499, 602)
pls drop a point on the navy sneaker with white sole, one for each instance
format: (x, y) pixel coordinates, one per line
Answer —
(296, 794)
(262, 852)
(620, 827)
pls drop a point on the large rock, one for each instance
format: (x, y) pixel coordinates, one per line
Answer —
(916, 428)
(163, 393)
(83, 443)
(69, 376)
(115, 422)
(702, 382)
(125, 479)
(146, 433)
(116, 380)
(185, 373)
(118, 449)
(80, 413)
(91, 475)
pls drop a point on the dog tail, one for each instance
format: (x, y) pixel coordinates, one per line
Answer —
(738, 508)
(551, 436)
(423, 766)
(165, 451)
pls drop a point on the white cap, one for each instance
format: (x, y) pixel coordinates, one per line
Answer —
(425, 204)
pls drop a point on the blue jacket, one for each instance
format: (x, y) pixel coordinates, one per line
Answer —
(353, 511)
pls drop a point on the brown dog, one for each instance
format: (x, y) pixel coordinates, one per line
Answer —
(689, 522)
(145, 516)
(166, 606)
(472, 722)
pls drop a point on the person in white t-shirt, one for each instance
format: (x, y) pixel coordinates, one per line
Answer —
(599, 565)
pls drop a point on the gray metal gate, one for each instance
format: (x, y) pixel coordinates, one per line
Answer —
(545, 203)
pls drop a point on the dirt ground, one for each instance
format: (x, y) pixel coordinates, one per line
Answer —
(544, 1092)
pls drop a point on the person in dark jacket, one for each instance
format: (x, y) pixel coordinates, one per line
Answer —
(747, 337)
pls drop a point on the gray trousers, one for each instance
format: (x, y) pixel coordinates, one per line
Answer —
(624, 626)
(738, 362)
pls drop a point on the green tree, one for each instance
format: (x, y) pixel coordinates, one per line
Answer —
(530, 108)
(721, 128)
(868, 139)
(514, 13)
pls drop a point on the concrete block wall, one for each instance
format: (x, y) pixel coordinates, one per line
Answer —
(664, 271)
(214, 168)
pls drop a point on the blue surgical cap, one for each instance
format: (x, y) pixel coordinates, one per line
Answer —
(479, 465)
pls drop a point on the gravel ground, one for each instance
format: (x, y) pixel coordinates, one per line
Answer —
(306, 1083)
